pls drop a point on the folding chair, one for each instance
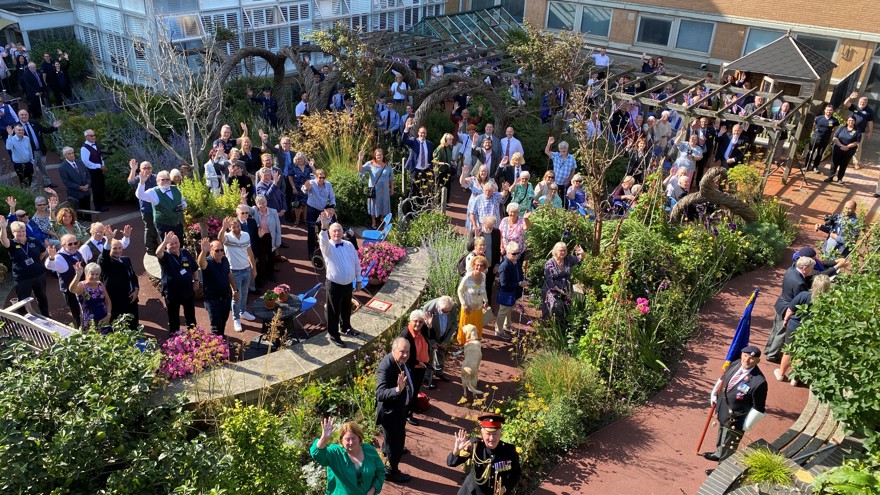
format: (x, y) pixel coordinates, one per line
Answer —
(371, 236)
(309, 303)
(672, 202)
(364, 276)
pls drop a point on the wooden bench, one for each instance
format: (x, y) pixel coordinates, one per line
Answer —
(37, 331)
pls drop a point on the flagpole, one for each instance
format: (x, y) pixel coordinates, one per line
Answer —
(706, 425)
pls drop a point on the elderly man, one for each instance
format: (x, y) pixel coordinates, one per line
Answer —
(219, 286)
(151, 236)
(319, 198)
(796, 280)
(93, 160)
(62, 261)
(22, 155)
(564, 165)
(732, 148)
(120, 280)
(741, 395)
(510, 288)
(343, 269)
(491, 235)
(489, 203)
(750, 131)
(167, 201)
(178, 283)
(493, 465)
(394, 392)
(76, 179)
(270, 187)
(444, 322)
(242, 264)
(34, 87)
(100, 239)
(35, 131)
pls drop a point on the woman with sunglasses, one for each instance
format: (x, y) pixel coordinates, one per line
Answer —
(353, 465)
(543, 188)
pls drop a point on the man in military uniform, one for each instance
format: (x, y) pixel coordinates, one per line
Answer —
(741, 394)
(493, 466)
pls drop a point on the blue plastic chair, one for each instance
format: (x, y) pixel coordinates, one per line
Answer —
(309, 301)
(378, 235)
(672, 202)
(364, 278)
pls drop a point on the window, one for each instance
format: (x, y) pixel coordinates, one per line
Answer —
(694, 36)
(654, 31)
(596, 21)
(560, 16)
(826, 47)
(515, 8)
(482, 4)
(759, 38)
(182, 27)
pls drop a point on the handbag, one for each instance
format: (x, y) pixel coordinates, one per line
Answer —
(506, 298)
(371, 190)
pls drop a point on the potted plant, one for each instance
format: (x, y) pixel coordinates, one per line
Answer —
(383, 256)
(269, 298)
(283, 291)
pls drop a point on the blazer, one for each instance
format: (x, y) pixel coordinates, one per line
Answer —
(496, 142)
(506, 174)
(478, 156)
(74, 179)
(415, 149)
(388, 401)
(31, 85)
(509, 276)
(793, 283)
(39, 130)
(738, 153)
(496, 246)
(436, 333)
(274, 225)
(750, 393)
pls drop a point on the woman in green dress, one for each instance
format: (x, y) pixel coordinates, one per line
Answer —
(353, 466)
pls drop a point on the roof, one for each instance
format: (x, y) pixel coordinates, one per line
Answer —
(785, 57)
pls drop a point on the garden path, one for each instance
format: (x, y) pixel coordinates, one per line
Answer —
(652, 452)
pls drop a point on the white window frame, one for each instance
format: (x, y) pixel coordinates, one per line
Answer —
(581, 18)
(836, 42)
(575, 22)
(743, 52)
(673, 34)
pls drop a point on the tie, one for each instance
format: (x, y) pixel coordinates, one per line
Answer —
(516, 172)
(30, 132)
(507, 149)
(409, 387)
(736, 378)
(39, 80)
(424, 155)
(387, 119)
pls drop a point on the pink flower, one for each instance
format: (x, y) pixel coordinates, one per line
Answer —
(642, 305)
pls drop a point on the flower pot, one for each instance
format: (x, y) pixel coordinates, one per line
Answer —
(373, 282)
(270, 304)
(283, 297)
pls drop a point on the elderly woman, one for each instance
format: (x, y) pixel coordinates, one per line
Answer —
(268, 238)
(576, 194)
(557, 287)
(353, 466)
(42, 218)
(475, 184)
(65, 223)
(543, 187)
(381, 183)
(794, 317)
(416, 333)
(522, 192)
(472, 297)
(677, 184)
(27, 256)
(300, 173)
(94, 302)
(552, 197)
(176, 177)
(513, 229)
(689, 152)
(623, 193)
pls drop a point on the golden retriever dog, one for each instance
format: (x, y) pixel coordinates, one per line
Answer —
(473, 354)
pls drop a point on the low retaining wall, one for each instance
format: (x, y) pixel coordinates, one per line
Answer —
(249, 380)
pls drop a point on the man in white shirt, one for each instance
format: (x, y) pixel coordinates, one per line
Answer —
(168, 203)
(602, 61)
(510, 144)
(101, 234)
(397, 89)
(302, 108)
(343, 268)
(237, 245)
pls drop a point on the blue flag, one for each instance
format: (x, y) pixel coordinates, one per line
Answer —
(743, 331)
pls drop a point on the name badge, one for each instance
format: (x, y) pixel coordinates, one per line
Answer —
(183, 271)
(29, 261)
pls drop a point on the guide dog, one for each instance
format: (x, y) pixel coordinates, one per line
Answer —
(473, 354)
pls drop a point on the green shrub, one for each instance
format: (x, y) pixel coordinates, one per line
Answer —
(78, 52)
(855, 476)
(549, 226)
(444, 250)
(351, 196)
(745, 181)
(764, 244)
(108, 126)
(423, 230)
(117, 188)
(773, 212)
(767, 468)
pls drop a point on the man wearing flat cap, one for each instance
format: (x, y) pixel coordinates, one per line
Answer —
(740, 394)
(493, 466)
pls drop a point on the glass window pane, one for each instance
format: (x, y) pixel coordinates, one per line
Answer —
(693, 35)
(560, 16)
(654, 31)
(516, 8)
(823, 46)
(759, 38)
(596, 21)
(482, 4)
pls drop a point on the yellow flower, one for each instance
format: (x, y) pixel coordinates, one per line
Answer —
(463, 400)
(519, 450)
(497, 410)
(494, 387)
(747, 243)
(699, 250)
(739, 232)
(711, 238)
(680, 236)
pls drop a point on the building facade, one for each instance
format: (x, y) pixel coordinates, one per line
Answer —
(114, 30)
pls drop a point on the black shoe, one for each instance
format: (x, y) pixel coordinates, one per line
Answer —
(827, 179)
(443, 377)
(413, 421)
(432, 386)
(710, 456)
(50, 185)
(338, 342)
(773, 359)
(351, 332)
(397, 477)
(405, 451)
(708, 472)
(284, 245)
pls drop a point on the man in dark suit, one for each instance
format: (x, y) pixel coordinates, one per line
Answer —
(393, 393)
(444, 323)
(796, 280)
(485, 153)
(35, 131)
(741, 395)
(120, 280)
(489, 132)
(418, 163)
(731, 148)
(707, 135)
(76, 179)
(34, 88)
(508, 172)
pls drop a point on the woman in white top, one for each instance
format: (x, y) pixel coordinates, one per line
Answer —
(475, 184)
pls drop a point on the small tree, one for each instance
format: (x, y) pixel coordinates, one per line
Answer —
(183, 83)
